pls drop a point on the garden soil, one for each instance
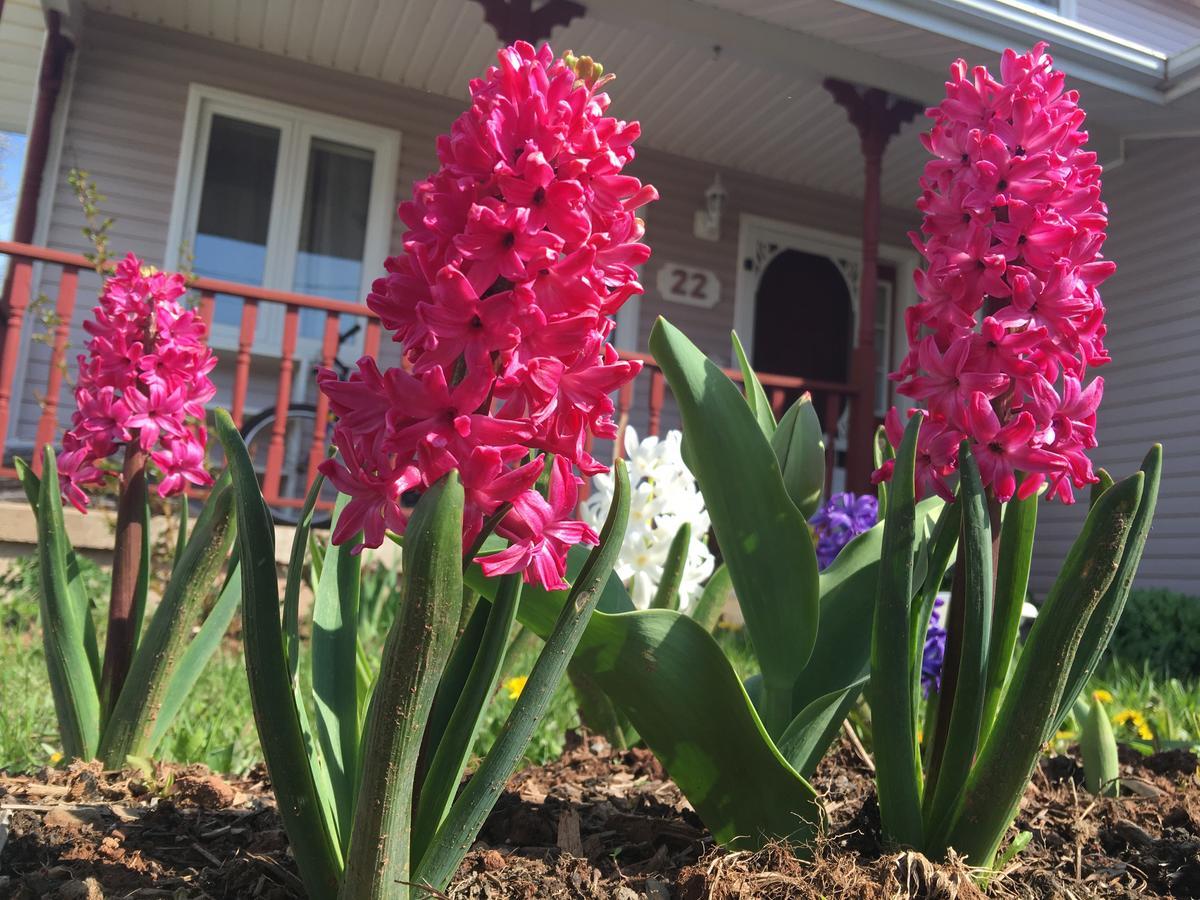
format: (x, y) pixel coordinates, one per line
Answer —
(597, 824)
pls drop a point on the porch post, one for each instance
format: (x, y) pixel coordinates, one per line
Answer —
(517, 20)
(877, 115)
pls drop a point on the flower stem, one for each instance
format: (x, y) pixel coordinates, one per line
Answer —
(127, 600)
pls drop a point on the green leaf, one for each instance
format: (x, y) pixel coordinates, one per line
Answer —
(414, 657)
(1012, 585)
(131, 726)
(453, 749)
(756, 397)
(707, 609)
(75, 584)
(199, 651)
(1104, 620)
(948, 774)
(814, 728)
(799, 446)
(334, 675)
(667, 595)
(72, 678)
(944, 540)
(897, 763)
(301, 808)
(466, 816)
(1011, 750)
(763, 538)
(1098, 747)
(881, 451)
(181, 536)
(1103, 484)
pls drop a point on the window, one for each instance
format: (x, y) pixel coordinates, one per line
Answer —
(280, 197)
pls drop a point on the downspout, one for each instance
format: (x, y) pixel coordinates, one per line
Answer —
(877, 115)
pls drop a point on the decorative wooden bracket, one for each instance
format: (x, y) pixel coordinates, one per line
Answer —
(517, 20)
(876, 114)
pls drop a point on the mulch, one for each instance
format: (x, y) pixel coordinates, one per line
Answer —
(596, 824)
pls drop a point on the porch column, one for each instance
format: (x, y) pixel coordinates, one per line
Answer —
(517, 20)
(877, 115)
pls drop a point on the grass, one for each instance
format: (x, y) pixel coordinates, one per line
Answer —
(216, 727)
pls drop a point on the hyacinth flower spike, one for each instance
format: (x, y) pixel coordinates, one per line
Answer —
(140, 394)
(1009, 323)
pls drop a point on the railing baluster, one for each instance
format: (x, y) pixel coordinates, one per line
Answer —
(208, 302)
(18, 302)
(64, 309)
(371, 341)
(658, 385)
(241, 372)
(329, 346)
(832, 402)
(624, 405)
(283, 397)
(777, 397)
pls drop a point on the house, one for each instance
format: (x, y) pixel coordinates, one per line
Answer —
(270, 142)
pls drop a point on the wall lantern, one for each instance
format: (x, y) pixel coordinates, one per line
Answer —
(707, 225)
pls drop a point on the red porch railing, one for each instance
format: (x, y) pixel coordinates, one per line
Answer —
(24, 257)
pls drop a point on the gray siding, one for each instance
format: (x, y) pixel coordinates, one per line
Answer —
(125, 125)
(1167, 25)
(1152, 386)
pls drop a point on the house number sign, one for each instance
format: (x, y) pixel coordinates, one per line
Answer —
(689, 285)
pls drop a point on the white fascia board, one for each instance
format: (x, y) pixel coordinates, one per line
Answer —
(1095, 56)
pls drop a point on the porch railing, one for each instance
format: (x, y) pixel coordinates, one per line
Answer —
(24, 258)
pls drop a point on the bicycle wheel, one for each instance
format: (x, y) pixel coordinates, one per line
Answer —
(293, 471)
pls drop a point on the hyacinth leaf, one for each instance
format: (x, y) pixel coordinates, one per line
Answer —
(199, 651)
(756, 397)
(334, 674)
(943, 541)
(948, 774)
(72, 678)
(414, 656)
(454, 678)
(843, 652)
(667, 594)
(1103, 484)
(671, 678)
(1104, 620)
(453, 748)
(131, 726)
(306, 816)
(78, 591)
(461, 825)
(1008, 755)
(1012, 584)
(763, 538)
(181, 534)
(707, 609)
(882, 451)
(799, 446)
(302, 537)
(809, 735)
(1098, 747)
(897, 762)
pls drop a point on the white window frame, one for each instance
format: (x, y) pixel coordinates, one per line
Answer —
(297, 127)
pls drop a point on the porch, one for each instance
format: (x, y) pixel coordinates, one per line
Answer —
(286, 456)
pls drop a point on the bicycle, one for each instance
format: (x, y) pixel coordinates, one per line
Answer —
(299, 426)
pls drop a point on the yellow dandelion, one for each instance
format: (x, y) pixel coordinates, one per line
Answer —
(514, 686)
(1103, 696)
(1063, 735)
(1133, 723)
(55, 758)
(729, 625)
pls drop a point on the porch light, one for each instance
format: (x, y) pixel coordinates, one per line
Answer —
(707, 224)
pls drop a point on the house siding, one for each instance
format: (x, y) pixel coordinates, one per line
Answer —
(1152, 386)
(22, 30)
(125, 126)
(1167, 25)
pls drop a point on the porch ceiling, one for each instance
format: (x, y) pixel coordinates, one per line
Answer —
(733, 82)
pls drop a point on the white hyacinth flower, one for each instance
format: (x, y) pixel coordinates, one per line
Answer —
(664, 497)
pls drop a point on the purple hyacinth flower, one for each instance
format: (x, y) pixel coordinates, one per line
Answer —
(935, 648)
(839, 520)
